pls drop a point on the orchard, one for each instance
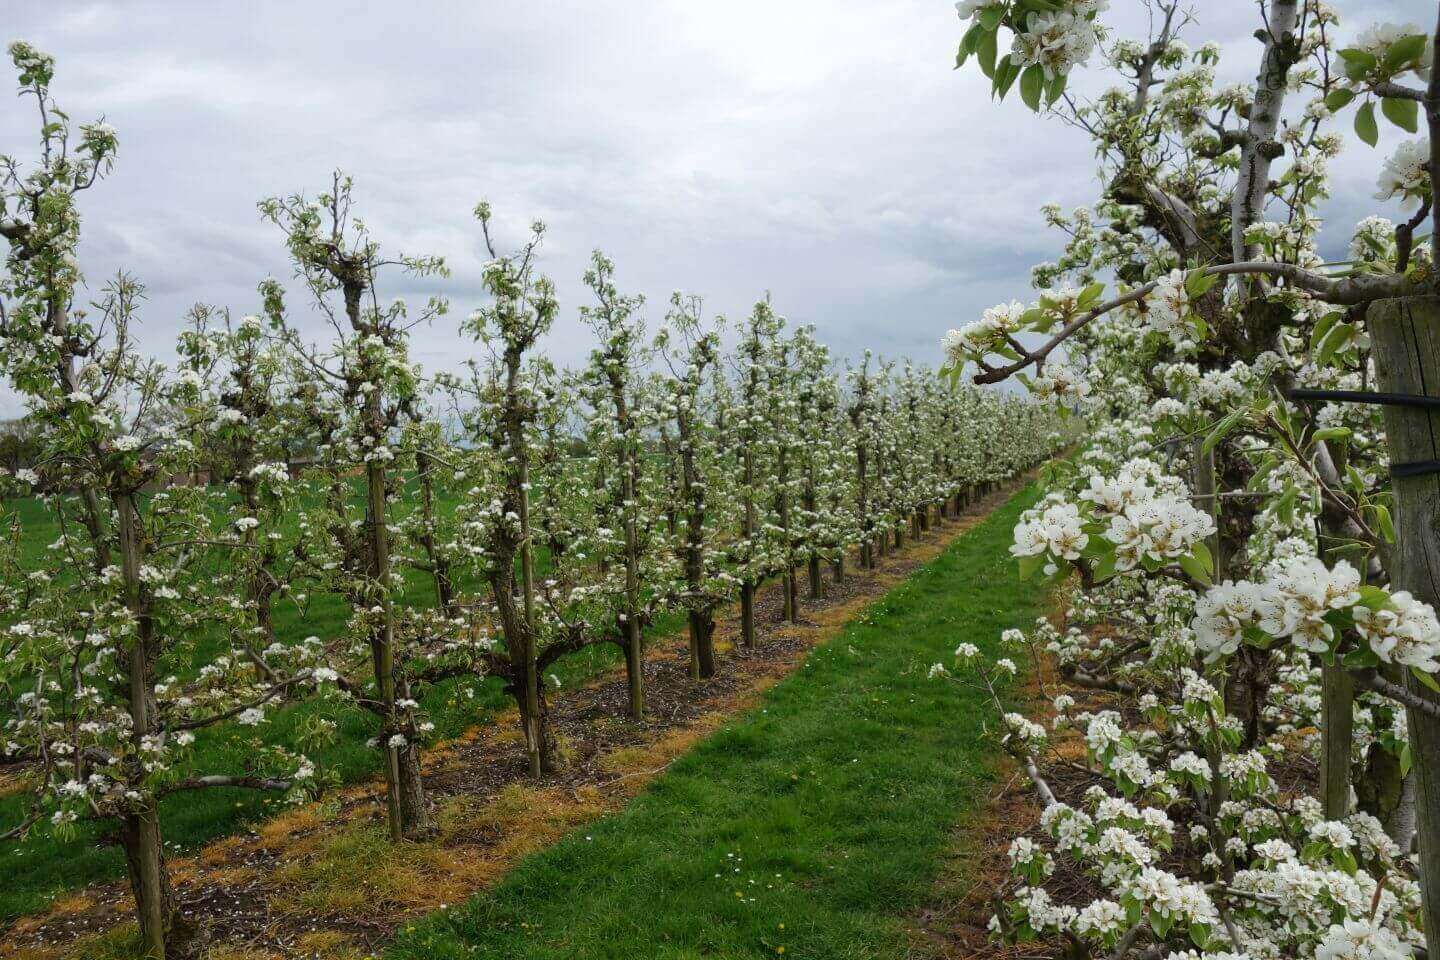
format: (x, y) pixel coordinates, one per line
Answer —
(264, 468)
(670, 622)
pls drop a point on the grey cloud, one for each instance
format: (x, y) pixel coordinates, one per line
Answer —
(819, 149)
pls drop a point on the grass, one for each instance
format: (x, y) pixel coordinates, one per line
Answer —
(810, 827)
(44, 866)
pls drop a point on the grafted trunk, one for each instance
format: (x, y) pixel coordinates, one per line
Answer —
(634, 667)
(524, 680)
(1405, 334)
(414, 809)
(164, 932)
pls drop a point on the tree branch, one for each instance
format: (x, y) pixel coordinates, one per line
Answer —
(221, 780)
(1372, 681)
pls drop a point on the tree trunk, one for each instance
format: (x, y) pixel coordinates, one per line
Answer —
(635, 668)
(747, 615)
(414, 810)
(702, 645)
(839, 569)
(1400, 824)
(154, 900)
(1387, 796)
(1405, 334)
(382, 649)
(817, 586)
(140, 831)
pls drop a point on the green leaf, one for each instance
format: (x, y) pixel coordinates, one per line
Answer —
(1030, 564)
(1337, 99)
(1005, 73)
(1345, 860)
(1402, 52)
(1358, 63)
(1199, 282)
(1405, 114)
(1220, 430)
(967, 45)
(985, 49)
(1337, 337)
(1332, 433)
(1032, 85)
(1407, 760)
(1089, 295)
(990, 17)
(1374, 597)
(1361, 659)
(1322, 327)
(1201, 550)
(1193, 567)
(1384, 521)
(1056, 87)
(1365, 127)
(1426, 678)
(1257, 482)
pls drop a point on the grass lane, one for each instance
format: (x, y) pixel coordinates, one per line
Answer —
(808, 828)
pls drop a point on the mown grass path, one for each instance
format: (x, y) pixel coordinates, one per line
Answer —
(809, 827)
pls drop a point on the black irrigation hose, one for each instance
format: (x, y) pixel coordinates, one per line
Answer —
(1357, 396)
(1415, 468)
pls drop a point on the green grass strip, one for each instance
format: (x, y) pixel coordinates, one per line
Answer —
(808, 828)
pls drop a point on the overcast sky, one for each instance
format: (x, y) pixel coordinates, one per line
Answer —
(823, 151)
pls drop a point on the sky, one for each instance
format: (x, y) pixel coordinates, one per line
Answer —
(823, 152)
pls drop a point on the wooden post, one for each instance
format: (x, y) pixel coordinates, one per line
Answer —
(1405, 334)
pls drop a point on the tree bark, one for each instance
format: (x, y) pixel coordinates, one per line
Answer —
(140, 831)
(635, 668)
(1260, 147)
(747, 614)
(702, 645)
(1387, 796)
(163, 933)
(1405, 334)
